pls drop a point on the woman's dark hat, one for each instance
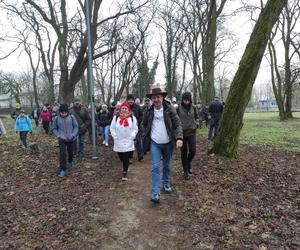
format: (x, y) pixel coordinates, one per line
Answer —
(157, 91)
(63, 108)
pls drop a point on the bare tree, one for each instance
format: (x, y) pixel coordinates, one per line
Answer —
(227, 140)
(67, 29)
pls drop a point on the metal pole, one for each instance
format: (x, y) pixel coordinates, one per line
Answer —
(90, 77)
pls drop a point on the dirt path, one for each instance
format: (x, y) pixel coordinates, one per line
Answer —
(251, 202)
(136, 223)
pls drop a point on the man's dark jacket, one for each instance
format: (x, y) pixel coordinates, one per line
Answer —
(82, 117)
(172, 122)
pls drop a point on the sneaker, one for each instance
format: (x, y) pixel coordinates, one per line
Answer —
(61, 173)
(106, 144)
(167, 188)
(103, 142)
(71, 165)
(155, 198)
(124, 176)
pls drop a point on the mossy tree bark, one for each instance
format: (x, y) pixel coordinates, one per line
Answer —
(227, 140)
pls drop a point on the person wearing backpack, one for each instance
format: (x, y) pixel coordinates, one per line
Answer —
(123, 129)
(23, 126)
(188, 115)
(65, 128)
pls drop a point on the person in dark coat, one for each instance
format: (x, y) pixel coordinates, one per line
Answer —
(188, 115)
(84, 121)
(138, 113)
(215, 110)
(35, 114)
(65, 128)
(103, 121)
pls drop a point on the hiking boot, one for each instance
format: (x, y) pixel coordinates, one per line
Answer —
(61, 173)
(155, 198)
(124, 176)
(167, 188)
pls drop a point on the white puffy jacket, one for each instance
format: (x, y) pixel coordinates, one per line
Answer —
(123, 136)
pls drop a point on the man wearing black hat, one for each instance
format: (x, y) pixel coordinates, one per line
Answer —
(138, 113)
(65, 128)
(189, 118)
(162, 129)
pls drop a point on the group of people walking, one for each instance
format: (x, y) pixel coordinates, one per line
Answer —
(158, 128)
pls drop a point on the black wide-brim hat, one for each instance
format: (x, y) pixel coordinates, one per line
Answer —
(157, 91)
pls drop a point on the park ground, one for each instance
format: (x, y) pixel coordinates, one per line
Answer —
(249, 202)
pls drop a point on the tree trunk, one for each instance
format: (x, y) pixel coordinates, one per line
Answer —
(227, 139)
(276, 89)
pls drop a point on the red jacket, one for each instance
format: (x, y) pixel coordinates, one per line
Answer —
(46, 116)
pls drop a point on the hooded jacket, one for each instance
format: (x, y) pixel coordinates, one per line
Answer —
(65, 128)
(23, 124)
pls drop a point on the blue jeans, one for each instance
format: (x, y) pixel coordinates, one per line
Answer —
(157, 151)
(79, 145)
(105, 133)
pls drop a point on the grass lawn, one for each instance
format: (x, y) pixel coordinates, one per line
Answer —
(265, 129)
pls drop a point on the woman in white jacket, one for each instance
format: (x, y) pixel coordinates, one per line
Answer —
(123, 129)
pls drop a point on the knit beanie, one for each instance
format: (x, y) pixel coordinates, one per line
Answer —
(63, 108)
(130, 96)
(186, 96)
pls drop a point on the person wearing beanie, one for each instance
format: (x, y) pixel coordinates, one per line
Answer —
(65, 128)
(138, 113)
(215, 110)
(123, 129)
(188, 115)
(46, 118)
(23, 126)
(103, 121)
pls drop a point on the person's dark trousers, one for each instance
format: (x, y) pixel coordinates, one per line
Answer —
(79, 145)
(139, 145)
(188, 152)
(213, 128)
(46, 125)
(124, 157)
(23, 138)
(36, 122)
(63, 148)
